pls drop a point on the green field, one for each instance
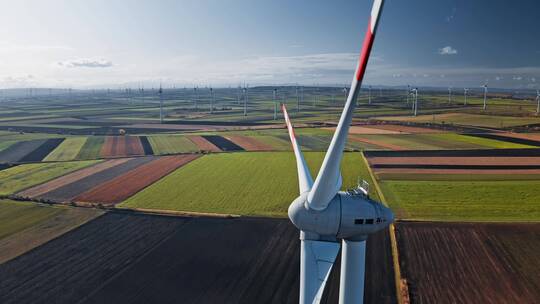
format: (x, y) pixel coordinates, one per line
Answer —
(478, 120)
(472, 200)
(23, 176)
(171, 144)
(91, 148)
(248, 183)
(67, 150)
(477, 142)
(17, 216)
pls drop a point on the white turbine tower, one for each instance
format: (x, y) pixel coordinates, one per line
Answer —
(326, 216)
(245, 100)
(369, 95)
(211, 100)
(414, 92)
(465, 91)
(160, 92)
(408, 93)
(275, 103)
(485, 95)
(537, 102)
(450, 95)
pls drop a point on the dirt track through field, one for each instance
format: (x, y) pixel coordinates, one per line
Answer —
(121, 146)
(456, 160)
(67, 192)
(249, 143)
(203, 144)
(126, 185)
(123, 258)
(456, 171)
(470, 263)
(70, 178)
(404, 129)
(511, 139)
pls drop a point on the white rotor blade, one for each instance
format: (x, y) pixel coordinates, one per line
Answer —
(316, 261)
(305, 181)
(328, 181)
(353, 268)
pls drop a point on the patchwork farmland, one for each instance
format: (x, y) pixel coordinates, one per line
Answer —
(462, 183)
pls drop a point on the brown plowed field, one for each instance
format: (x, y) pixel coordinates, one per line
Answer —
(249, 143)
(377, 143)
(529, 136)
(124, 186)
(456, 160)
(118, 146)
(404, 129)
(470, 263)
(126, 258)
(203, 144)
(70, 178)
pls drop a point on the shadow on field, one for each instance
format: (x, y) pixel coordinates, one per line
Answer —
(132, 258)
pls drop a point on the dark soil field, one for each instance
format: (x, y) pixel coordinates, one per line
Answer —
(42, 151)
(17, 151)
(68, 192)
(70, 178)
(249, 143)
(203, 144)
(223, 143)
(147, 147)
(119, 146)
(125, 185)
(124, 258)
(470, 262)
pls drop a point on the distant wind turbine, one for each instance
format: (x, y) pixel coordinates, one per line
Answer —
(485, 96)
(537, 102)
(465, 91)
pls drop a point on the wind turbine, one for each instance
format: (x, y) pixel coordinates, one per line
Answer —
(297, 100)
(245, 100)
(485, 95)
(326, 216)
(275, 103)
(211, 100)
(160, 92)
(369, 95)
(408, 93)
(537, 102)
(450, 95)
(465, 91)
(414, 92)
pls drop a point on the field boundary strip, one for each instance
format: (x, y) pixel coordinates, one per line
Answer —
(402, 293)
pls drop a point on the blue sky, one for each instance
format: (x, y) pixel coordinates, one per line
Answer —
(100, 43)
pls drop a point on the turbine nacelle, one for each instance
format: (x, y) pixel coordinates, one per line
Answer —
(349, 215)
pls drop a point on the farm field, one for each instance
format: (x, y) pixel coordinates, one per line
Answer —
(124, 186)
(171, 144)
(74, 185)
(67, 150)
(249, 143)
(203, 144)
(249, 183)
(24, 226)
(16, 151)
(91, 148)
(497, 262)
(163, 257)
(478, 120)
(478, 200)
(121, 146)
(24, 176)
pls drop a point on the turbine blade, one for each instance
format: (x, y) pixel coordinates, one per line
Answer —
(305, 181)
(316, 261)
(327, 183)
(353, 268)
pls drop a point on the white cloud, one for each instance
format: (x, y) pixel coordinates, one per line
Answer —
(86, 63)
(447, 50)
